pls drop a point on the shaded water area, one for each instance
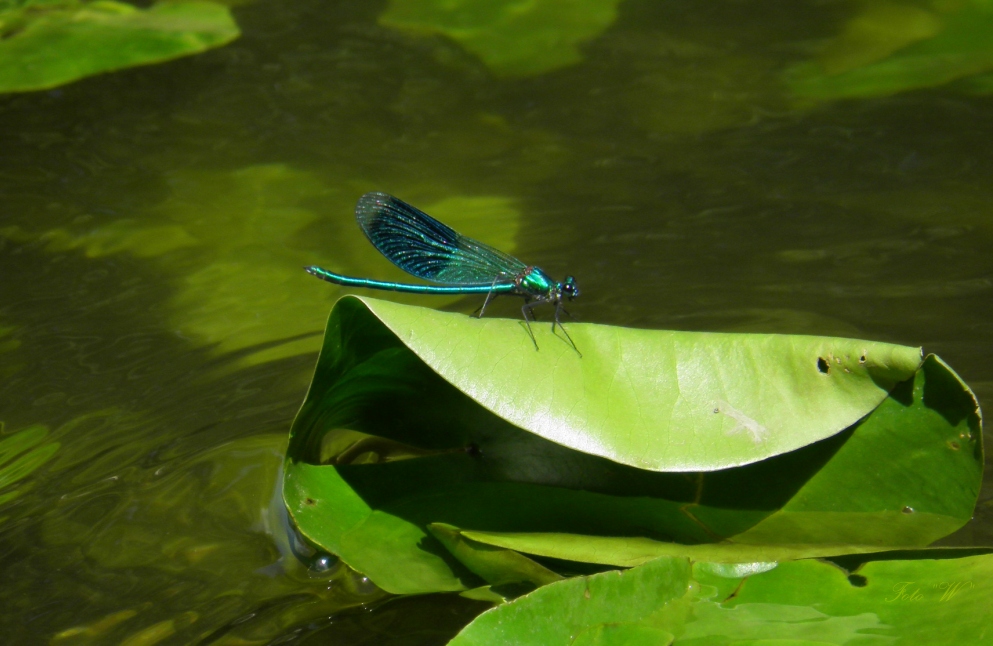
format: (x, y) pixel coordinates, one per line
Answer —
(157, 331)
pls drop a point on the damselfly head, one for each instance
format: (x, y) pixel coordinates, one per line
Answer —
(569, 288)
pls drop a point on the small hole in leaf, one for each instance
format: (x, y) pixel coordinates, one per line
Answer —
(953, 445)
(862, 359)
(857, 580)
(822, 365)
(907, 510)
(310, 501)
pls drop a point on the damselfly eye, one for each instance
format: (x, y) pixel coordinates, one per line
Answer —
(570, 288)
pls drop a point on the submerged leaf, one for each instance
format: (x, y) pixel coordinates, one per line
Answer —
(234, 244)
(249, 289)
(891, 48)
(512, 38)
(880, 29)
(21, 454)
(43, 45)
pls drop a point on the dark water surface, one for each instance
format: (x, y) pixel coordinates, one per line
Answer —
(157, 331)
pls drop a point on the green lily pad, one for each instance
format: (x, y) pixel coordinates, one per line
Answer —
(578, 610)
(384, 446)
(47, 44)
(511, 37)
(670, 600)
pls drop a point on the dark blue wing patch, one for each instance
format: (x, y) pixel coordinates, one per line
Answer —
(428, 249)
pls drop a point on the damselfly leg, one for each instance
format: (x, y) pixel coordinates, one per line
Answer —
(529, 316)
(489, 296)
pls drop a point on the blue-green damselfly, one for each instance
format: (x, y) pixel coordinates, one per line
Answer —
(428, 249)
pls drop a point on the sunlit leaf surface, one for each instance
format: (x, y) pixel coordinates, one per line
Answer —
(660, 400)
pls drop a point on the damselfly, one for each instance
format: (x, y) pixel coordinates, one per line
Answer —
(428, 249)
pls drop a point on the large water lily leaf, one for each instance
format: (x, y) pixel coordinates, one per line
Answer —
(674, 601)
(46, 44)
(384, 446)
(653, 399)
